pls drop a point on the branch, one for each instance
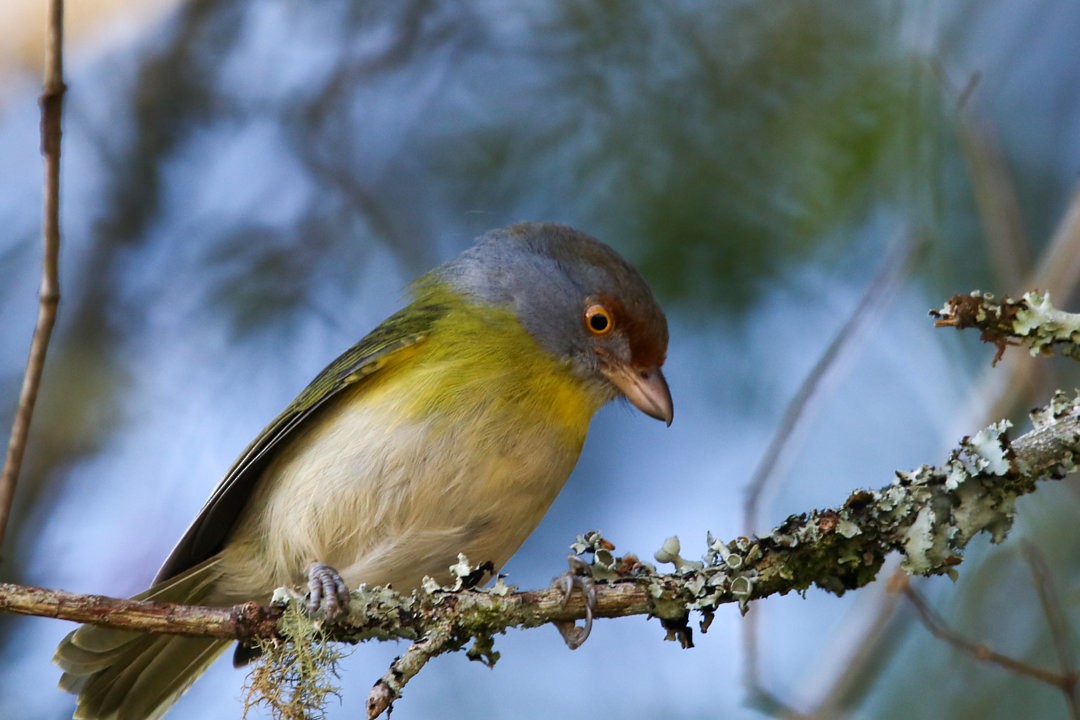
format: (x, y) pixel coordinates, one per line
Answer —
(1031, 321)
(51, 101)
(1059, 627)
(928, 515)
(979, 651)
(239, 622)
(388, 688)
(895, 267)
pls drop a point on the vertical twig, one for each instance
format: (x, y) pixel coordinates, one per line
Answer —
(1055, 618)
(51, 101)
(893, 270)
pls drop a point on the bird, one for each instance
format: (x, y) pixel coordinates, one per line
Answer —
(450, 428)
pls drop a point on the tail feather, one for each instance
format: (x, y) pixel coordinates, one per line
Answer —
(146, 685)
(122, 675)
(78, 661)
(169, 674)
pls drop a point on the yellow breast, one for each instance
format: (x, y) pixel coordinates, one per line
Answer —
(458, 445)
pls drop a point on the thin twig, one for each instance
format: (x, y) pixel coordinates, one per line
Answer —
(999, 392)
(863, 661)
(51, 100)
(897, 264)
(981, 652)
(404, 668)
(1055, 618)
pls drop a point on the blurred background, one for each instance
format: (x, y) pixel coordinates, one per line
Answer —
(248, 186)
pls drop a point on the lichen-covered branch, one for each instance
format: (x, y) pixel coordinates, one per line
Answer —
(928, 515)
(1031, 321)
(388, 688)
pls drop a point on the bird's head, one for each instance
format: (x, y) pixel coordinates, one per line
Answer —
(580, 300)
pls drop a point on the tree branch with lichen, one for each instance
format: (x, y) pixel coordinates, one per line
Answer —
(1031, 321)
(928, 515)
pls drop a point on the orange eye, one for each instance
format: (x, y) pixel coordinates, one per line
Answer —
(598, 320)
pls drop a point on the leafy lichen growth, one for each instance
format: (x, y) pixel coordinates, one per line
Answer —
(929, 514)
(1030, 320)
(483, 651)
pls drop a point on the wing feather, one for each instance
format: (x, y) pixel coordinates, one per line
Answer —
(210, 530)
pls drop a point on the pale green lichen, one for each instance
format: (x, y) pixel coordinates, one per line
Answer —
(1043, 324)
(945, 524)
(921, 543)
(847, 528)
(500, 588)
(589, 542)
(296, 672)
(604, 562)
(975, 513)
(741, 588)
(483, 651)
(461, 571)
(669, 553)
(986, 451)
(1059, 406)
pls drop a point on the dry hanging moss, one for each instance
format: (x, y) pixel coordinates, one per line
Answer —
(296, 672)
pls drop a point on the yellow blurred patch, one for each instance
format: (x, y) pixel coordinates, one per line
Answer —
(89, 26)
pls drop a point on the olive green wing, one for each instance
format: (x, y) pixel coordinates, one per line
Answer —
(210, 530)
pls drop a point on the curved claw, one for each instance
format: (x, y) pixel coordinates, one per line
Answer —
(578, 576)
(326, 591)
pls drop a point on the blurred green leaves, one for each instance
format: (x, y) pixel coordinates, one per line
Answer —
(724, 141)
(728, 141)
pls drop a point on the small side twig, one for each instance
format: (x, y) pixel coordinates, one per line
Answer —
(980, 651)
(892, 270)
(1030, 320)
(1055, 618)
(404, 668)
(51, 101)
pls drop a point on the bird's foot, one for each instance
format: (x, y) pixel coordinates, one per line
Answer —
(578, 576)
(326, 591)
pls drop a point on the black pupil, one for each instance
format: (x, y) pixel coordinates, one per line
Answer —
(598, 322)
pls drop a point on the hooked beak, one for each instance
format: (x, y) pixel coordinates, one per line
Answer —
(646, 389)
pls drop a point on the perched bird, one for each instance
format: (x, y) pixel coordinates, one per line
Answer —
(450, 428)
